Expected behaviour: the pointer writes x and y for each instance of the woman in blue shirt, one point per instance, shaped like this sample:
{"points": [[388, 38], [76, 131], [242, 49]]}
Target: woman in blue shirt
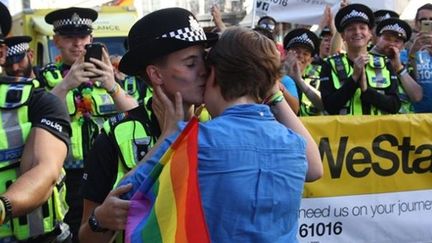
{"points": [[252, 164]]}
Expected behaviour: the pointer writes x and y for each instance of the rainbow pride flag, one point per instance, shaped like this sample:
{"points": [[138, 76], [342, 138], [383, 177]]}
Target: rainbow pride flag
{"points": [[167, 207]]}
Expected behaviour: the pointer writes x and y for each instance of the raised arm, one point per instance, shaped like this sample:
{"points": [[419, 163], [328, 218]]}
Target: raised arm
{"points": [[286, 116], [105, 72]]}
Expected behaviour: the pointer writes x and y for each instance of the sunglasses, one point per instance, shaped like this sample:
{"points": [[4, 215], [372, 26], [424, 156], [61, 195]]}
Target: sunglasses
{"points": [[267, 24]]}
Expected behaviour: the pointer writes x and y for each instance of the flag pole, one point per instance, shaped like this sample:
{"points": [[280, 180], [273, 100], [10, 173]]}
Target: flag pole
{"points": [[253, 13]]}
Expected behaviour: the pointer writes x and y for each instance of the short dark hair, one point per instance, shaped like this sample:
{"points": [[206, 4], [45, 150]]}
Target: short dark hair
{"points": [[427, 6], [241, 71]]}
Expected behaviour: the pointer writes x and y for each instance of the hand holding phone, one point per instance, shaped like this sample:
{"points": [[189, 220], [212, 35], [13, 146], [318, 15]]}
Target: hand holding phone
{"points": [[93, 50], [426, 26]]}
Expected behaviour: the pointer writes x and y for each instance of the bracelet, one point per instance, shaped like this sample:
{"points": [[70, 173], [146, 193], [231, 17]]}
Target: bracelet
{"points": [[274, 98], [5, 210], [114, 89], [402, 72]]}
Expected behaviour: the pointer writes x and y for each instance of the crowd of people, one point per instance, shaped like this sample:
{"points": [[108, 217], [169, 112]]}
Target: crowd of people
{"points": [[78, 137]]}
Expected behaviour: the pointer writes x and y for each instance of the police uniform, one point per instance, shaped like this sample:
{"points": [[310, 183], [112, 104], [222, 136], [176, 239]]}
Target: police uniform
{"points": [[18, 46], [340, 93], [25, 107], [137, 88], [126, 139], [403, 31], [309, 40], [89, 106]]}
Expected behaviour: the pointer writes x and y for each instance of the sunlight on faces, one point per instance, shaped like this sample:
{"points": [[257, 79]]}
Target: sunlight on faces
{"points": [[184, 71], [325, 45], [357, 35], [389, 39], [304, 57], [71, 46], [424, 14]]}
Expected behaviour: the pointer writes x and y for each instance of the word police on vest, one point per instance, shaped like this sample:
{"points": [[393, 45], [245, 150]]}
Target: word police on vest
{"points": [[52, 124]]}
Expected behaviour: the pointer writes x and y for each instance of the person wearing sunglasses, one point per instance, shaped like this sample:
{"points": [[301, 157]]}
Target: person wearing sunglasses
{"points": [[422, 38], [420, 55]]}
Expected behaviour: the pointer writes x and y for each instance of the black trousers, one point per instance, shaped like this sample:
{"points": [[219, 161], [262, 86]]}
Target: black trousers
{"points": [[74, 200]]}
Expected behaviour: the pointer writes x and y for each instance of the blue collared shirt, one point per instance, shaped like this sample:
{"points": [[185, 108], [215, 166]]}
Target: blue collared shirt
{"points": [[251, 174]]}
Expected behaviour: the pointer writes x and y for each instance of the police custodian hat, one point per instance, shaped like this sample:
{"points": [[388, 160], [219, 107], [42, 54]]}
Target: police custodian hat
{"points": [[325, 31], [5, 21], [354, 13], [382, 14], [397, 26], [160, 33], [72, 21], [17, 48], [302, 37]]}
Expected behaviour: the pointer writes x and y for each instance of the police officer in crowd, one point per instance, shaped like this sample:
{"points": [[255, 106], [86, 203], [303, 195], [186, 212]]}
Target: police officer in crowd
{"points": [[229, 174], [325, 37], [392, 34], [19, 57], [379, 16], [33, 145], [166, 47], [301, 46], [358, 82], [89, 91]]}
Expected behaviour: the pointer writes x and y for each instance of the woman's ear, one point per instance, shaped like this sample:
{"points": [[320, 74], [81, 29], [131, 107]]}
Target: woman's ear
{"points": [[154, 75]]}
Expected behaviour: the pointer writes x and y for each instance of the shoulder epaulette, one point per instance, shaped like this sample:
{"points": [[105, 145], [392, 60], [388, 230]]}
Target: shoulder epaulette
{"points": [[117, 118], [113, 121], [49, 67], [51, 75]]}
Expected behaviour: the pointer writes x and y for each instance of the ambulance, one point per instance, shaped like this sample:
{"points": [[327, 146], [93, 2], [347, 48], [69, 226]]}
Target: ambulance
{"points": [[111, 28]]}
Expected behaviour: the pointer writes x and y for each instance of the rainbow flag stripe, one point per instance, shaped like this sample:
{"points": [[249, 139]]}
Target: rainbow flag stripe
{"points": [[167, 206]]}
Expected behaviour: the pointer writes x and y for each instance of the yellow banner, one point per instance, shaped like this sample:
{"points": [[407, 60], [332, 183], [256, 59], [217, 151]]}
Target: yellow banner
{"points": [[372, 154]]}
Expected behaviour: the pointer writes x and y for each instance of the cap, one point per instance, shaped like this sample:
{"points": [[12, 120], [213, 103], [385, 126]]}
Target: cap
{"points": [[5, 21], [302, 37], [72, 21], [267, 22], [17, 48], [160, 33], [354, 13], [397, 26], [382, 14], [325, 31]]}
